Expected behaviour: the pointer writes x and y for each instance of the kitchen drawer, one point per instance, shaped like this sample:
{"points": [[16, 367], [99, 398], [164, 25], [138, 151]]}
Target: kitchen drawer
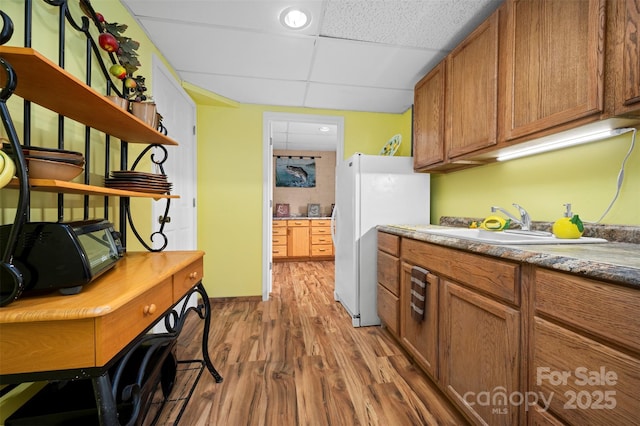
{"points": [[279, 231], [279, 251], [591, 383], [51, 345], [320, 231], [321, 222], [389, 243], [187, 278], [279, 240], [279, 223], [389, 272], [495, 277], [322, 250], [388, 304], [117, 329], [606, 310], [298, 223], [321, 239]]}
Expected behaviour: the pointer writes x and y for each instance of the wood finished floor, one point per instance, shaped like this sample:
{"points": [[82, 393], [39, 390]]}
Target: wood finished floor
{"points": [[296, 360]]}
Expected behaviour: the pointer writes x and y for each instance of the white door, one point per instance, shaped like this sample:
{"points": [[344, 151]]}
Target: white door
{"points": [[179, 117]]}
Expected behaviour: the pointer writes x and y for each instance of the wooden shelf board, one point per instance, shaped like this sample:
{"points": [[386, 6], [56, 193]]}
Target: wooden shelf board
{"points": [[64, 187], [45, 83]]}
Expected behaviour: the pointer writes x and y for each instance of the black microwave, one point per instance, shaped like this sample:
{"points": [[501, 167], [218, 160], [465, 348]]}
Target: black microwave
{"points": [[63, 256]]}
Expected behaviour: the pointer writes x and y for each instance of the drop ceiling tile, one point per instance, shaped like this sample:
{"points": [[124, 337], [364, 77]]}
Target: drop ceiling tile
{"points": [[250, 90], [256, 15], [233, 52], [358, 98], [434, 24], [368, 64]]}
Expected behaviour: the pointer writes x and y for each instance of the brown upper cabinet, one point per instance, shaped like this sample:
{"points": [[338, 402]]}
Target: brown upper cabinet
{"points": [[455, 105], [623, 57], [553, 62], [472, 91], [428, 119], [532, 69]]}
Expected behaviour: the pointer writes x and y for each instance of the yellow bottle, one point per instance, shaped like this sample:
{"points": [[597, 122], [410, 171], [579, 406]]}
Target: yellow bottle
{"points": [[568, 227]]}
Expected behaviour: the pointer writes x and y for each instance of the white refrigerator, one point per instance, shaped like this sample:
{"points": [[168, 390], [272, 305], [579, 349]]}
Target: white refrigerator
{"points": [[371, 190]]}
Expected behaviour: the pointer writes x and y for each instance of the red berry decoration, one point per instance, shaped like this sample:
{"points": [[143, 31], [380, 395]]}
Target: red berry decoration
{"points": [[108, 42], [100, 17]]}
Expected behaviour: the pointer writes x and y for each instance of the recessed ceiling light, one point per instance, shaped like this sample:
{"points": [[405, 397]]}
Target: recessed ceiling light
{"points": [[295, 18], [324, 128]]}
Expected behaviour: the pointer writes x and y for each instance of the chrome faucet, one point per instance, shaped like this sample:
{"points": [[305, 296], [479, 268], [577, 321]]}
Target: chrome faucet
{"points": [[524, 221]]}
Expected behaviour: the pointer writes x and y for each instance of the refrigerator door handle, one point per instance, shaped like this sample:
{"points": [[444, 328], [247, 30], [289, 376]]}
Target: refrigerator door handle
{"points": [[333, 224]]}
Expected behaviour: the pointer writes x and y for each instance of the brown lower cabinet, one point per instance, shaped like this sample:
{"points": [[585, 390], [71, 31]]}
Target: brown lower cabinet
{"points": [[515, 344]]}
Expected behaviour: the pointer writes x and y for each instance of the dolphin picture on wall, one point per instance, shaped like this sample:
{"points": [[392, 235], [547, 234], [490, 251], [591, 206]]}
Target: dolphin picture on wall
{"points": [[295, 172]]}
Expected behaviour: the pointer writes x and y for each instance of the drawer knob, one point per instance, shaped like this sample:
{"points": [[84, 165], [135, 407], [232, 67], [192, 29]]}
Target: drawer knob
{"points": [[193, 275], [150, 309]]}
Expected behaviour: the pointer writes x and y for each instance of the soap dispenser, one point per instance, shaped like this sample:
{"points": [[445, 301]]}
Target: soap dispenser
{"points": [[569, 226]]}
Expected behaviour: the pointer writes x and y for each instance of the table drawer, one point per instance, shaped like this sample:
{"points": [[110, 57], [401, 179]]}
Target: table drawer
{"points": [[185, 279], [51, 345], [116, 330], [322, 250]]}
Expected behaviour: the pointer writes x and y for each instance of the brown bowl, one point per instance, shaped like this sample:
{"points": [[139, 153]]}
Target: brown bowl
{"points": [[45, 169]]}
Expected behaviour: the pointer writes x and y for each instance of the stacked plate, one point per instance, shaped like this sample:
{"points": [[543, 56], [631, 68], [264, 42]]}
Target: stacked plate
{"points": [[50, 163], [131, 180]]}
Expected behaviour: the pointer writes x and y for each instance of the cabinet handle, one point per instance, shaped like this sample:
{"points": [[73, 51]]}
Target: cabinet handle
{"points": [[193, 275], [150, 309]]}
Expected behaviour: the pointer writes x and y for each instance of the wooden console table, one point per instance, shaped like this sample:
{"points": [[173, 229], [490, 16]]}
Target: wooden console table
{"points": [[57, 337]]}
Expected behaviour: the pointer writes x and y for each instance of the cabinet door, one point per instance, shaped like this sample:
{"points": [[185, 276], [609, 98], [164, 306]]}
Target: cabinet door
{"points": [[428, 119], [631, 59], [298, 241], [420, 338], [472, 91], [584, 381], [623, 47], [480, 355], [553, 64]]}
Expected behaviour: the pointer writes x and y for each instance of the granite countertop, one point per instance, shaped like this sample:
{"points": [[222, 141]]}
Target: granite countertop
{"points": [[612, 261]]}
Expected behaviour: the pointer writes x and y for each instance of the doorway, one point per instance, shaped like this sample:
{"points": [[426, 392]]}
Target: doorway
{"points": [[271, 121]]}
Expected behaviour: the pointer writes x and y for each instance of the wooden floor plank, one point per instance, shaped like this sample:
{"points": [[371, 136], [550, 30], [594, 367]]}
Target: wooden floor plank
{"points": [[296, 360]]}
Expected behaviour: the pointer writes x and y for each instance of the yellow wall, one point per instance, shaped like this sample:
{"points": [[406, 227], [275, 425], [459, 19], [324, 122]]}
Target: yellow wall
{"points": [[230, 185], [584, 176]]}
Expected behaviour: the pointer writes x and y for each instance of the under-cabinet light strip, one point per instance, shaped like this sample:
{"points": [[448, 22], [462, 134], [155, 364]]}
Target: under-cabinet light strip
{"points": [[563, 143]]}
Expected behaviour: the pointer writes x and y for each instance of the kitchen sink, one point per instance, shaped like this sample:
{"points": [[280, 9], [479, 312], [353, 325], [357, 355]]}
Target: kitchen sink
{"points": [[504, 237]]}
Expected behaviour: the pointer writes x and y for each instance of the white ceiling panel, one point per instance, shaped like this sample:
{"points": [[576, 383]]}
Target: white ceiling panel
{"points": [[368, 64], [256, 15], [429, 24], [355, 98], [232, 52], [251, 90]]}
